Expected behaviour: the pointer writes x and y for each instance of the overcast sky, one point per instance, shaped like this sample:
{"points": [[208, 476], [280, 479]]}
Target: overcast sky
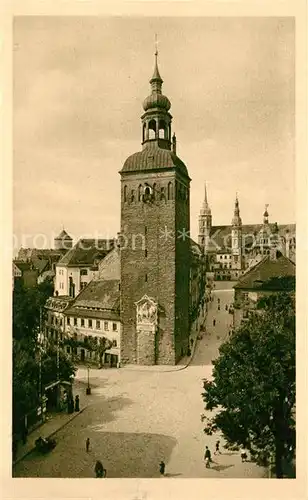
{"points": [[79, 84]]}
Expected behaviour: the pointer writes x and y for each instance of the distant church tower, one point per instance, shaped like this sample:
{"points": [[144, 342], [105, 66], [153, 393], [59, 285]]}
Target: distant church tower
{"points": [[155, 246], [205, 224], [236, 234], [63, 241]]}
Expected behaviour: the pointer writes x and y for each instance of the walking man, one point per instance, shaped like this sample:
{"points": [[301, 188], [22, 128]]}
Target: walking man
{"points": [[207, 457], [214, 322], [87, 444], [217, 450], [162, 467]]}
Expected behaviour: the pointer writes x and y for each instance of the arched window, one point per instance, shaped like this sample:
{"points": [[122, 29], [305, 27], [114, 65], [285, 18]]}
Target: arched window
{"points": [[132, 196], [170, 191], [202, 241], [152, 129], [154, 191], [125, 193], [143, 132], [162, 130], [162, 193], [139, 192]]}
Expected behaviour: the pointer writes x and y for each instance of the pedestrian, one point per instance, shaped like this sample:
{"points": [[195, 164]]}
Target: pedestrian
{"points": [[77, 408], [99, 469], [243, 455], [218, 308], [227, 307], [162, 467], [207, 457], [87, 444], [214, 322], [217, 450]]}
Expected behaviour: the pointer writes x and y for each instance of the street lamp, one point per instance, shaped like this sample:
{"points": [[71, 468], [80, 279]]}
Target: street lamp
{"points": [[88, 390]]}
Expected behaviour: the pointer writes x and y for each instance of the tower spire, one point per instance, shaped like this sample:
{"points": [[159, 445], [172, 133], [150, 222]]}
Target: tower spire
{"points": [[205, 194], [156, 80], [236, 221], [205, 210]]}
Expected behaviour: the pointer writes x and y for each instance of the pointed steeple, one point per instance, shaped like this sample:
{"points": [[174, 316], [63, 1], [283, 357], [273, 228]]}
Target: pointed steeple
{"points": [[236, 221], [156, 78], [205, 210]]}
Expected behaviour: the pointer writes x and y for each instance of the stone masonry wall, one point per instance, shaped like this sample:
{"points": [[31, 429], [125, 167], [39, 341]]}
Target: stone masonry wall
{"points": [[150, 267]]}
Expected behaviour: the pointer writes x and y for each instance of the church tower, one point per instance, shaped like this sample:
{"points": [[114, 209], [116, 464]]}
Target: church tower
{"points": [[236, 234], [205, 224], [154, 241]]}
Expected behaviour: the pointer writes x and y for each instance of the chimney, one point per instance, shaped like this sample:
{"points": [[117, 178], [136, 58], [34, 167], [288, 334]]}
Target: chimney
{"points": [[174, 144]]}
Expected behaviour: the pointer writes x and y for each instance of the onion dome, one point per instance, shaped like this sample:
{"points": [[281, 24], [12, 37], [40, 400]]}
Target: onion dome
{"points": [[156, 99]]}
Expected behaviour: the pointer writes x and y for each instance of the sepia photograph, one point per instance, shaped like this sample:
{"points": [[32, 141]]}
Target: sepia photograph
{"points": [[154, 247]]}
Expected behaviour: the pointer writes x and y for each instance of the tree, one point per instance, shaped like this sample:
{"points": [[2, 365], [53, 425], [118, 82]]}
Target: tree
{"points": [[28, 310], [50, 372], [253, 386]]}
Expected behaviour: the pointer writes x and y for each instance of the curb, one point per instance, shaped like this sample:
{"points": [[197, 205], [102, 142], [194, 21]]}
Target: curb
{"points": [[176, 369], [50, 435]]}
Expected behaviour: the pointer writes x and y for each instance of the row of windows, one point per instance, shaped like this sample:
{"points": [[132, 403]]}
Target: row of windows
{"points": [[181, 193], [61, 285], [91, 323], [224, 256], [56, 321]]}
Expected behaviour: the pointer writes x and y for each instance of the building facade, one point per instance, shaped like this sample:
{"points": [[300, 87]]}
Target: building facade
{"points": [[155, 248], [93, 326], [80, 265]]}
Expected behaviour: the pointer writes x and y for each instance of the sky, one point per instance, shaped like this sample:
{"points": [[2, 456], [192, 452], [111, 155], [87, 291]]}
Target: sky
{"points": [[79, 84]]}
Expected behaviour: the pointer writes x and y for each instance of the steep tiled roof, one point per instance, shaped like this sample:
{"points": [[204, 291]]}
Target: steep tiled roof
{"points": [[86, 251], [153, 158], [97, 295], [266, 270], [40, 264], [23, 266]]}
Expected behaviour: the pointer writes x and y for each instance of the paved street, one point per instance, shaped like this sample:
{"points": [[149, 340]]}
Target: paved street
{"points": [[138, 418]]}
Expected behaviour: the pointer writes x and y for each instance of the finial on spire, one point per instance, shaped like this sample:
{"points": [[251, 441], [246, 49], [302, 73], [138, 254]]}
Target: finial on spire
{"points": [[156, 76]]}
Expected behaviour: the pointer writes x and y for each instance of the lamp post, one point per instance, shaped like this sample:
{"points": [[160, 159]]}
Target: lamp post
{"points": [[88, 390]]}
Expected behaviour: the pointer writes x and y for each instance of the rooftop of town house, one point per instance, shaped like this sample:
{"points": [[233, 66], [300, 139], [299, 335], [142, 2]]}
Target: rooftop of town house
{"points": [[98, 295], [269, 274], [24, 266], [86, 251]]}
